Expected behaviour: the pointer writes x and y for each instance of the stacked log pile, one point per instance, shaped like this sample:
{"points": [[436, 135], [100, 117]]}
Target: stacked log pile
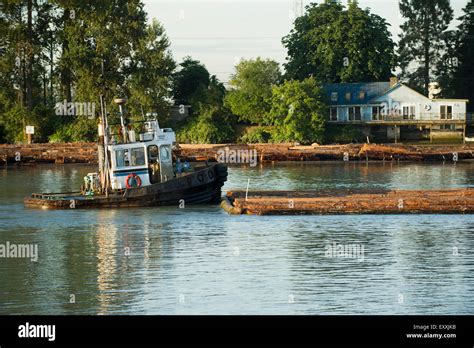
{"points": [[49, 153], [454, 201], [87, 152], [416, 153], [350, 152]]}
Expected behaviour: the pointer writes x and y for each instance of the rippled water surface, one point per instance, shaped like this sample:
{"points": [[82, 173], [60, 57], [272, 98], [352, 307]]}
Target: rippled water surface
{"points": [[199, 260]]}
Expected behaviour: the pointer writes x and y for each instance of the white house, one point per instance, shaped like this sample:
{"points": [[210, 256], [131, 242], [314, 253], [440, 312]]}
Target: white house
{"points": [[395, 110]]}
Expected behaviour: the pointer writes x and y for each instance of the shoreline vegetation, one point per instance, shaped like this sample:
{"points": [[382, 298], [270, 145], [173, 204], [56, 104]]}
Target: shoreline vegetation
{"points": [[63, 153], [57, 59]]}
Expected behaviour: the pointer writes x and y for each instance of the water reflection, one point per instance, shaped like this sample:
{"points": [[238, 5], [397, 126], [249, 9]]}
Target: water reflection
{"points": [[106, 264], [199, 260]]}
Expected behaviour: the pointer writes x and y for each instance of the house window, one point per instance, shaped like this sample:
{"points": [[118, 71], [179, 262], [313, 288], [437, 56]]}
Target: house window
{"points": [[354, 113], [348, 96], [446, 112], [334, 96], [377, 112], [333, 116], [361, 95], [447, 127], [409, 112]]}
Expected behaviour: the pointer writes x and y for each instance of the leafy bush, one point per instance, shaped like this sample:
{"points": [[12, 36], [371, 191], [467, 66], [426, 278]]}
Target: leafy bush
{"points": [[256, 135], [82, 129], [211, 127], [344, 134], [12, 124]]}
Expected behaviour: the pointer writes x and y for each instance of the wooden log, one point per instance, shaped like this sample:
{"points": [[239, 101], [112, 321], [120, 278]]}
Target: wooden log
{"points": [[354, 201], [229, 208], [266, 153]]}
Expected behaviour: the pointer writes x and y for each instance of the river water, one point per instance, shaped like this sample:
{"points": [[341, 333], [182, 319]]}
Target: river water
{"points": [[199, 260]]}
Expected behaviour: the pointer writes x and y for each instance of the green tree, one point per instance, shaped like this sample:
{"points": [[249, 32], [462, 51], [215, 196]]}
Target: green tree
{"points": [[251, 89], [212, 122], [446, 67], [422, 39], [136, 54], [149, 84], [24, 80], [299, 111], [190, 81], [334, 43], [52, 51], [464, 75]]}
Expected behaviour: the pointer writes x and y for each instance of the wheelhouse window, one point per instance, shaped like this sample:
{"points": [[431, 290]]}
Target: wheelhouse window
{"points": [[446, 112], [354, 113], [348, 96], [137, 157], [130, 157], [334, 96], [333, 115], [153, 153], [361, 95], [165, 153]]}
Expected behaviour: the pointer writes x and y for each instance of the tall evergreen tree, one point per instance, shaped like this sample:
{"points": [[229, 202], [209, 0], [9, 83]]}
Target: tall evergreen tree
{"points": [[422, 41], [189, 81], [52, 51], [464, 76], [22, 73]]}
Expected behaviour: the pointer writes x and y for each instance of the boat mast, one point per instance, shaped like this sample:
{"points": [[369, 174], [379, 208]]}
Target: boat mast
{"points": [[104, 139], [120, 102]]}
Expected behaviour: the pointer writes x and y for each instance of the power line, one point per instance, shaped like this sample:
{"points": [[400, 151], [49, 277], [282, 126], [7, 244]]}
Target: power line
{"points": [[226, 38]]}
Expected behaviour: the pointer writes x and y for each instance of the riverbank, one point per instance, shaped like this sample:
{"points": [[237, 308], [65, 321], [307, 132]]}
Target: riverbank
{"points": [[264, 153]]}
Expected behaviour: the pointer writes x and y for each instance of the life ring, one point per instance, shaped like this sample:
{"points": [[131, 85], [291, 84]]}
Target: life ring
{"points": [[136, 180], [210, 174]]}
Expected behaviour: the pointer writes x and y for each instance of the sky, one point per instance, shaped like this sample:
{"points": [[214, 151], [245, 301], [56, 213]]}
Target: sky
{"points": [[221, 32]]}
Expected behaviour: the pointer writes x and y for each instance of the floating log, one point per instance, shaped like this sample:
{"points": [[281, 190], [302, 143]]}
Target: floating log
{"points": [[353, 201], [229, 208]]}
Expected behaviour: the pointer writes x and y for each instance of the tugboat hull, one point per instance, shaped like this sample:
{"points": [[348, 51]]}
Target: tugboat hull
{"points": [[202, 186]]}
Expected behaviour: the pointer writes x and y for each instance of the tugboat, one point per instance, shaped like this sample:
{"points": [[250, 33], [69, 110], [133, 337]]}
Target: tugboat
{"points": [[139, 172]]}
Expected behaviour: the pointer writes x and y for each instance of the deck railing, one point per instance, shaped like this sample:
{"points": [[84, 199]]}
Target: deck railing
{"points": [[437, 118]]}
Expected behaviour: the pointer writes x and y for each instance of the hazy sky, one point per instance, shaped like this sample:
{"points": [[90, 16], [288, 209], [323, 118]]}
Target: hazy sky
{"points": [[221, 32]]}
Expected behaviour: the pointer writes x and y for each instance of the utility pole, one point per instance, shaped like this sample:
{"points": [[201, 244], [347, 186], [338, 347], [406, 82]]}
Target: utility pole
{"points": [[298, 8]]}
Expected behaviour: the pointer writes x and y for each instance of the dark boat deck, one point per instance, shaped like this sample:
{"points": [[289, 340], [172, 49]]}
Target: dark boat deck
{"points": [[198, 187]]}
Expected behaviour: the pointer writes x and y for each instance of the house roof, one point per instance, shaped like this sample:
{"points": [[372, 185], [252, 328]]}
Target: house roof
{"points": [[394, 87], [370, 90]]}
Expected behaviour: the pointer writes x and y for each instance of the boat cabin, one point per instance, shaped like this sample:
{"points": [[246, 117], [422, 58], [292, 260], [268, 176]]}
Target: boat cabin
{"points": [[144, 162]]}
